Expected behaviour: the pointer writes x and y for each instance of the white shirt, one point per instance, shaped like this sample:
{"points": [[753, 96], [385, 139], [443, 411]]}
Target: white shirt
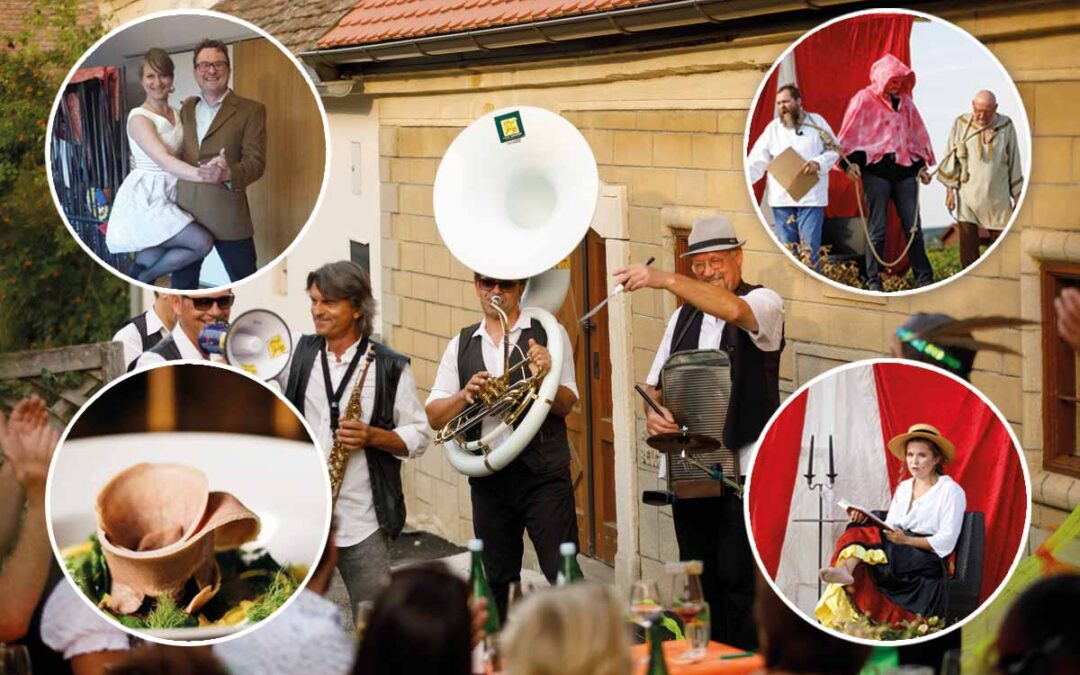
{"points": [[774, 140], [205, 113], [129, 336], [306, 638], [188, 350], [939, 512], [447, 381], [355, 510], [70, 627], [768, 309]]}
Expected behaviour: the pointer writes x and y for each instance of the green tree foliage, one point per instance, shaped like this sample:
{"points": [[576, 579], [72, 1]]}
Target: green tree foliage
{"points": [[51, 292]]}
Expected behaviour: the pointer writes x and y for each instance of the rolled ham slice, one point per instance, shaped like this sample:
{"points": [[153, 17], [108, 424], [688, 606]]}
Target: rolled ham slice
{"points": [[159, 526]]}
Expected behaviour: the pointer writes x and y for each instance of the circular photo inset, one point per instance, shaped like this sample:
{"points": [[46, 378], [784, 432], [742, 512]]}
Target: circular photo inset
{"points": [[187, 150], [186, 504], [888, 501], [887, 151]]}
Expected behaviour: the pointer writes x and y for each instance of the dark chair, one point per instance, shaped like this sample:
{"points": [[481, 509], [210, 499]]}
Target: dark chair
{"points": [[966, 582]]}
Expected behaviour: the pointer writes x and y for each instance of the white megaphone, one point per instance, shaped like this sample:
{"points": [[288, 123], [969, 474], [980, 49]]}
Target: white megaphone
{"points": [[258, 342]]}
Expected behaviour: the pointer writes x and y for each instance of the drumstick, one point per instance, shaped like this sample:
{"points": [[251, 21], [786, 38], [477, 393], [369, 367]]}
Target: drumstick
{"points": [[618, 289], [649, 400]]}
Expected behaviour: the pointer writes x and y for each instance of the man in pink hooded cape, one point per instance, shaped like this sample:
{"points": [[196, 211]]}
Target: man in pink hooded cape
{"points": [[884, 135]]}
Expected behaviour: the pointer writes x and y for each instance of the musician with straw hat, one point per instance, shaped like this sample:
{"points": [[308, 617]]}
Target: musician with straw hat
{"points": [[720, 311], [907, 576]]}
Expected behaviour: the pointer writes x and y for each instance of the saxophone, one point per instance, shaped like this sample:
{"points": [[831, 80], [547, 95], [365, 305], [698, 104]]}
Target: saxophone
{"points": [[339, 454]]}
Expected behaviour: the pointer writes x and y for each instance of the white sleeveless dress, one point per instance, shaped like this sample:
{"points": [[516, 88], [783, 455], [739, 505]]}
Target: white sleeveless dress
{"points": [[145, 213]]}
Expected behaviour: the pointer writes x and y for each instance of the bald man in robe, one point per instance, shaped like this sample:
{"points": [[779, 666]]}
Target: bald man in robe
{"points": [[982, 173]]}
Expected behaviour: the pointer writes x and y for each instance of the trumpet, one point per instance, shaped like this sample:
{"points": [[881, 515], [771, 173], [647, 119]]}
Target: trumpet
{"points": [[339, 454]]}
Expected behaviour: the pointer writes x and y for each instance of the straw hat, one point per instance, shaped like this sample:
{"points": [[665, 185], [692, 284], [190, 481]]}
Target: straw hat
{"points": [[897, 445]]}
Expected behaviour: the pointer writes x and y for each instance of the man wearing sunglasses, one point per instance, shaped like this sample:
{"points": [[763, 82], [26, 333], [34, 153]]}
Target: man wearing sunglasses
{"points": [[720, 311], [533, 493], [193, 313], [216, 121]]}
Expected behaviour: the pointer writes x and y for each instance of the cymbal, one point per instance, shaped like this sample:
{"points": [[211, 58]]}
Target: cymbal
{"points": [[675, 442]]}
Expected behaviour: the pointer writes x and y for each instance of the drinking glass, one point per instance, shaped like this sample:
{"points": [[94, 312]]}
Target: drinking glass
{"points": [[688, 603], [14, 660]]}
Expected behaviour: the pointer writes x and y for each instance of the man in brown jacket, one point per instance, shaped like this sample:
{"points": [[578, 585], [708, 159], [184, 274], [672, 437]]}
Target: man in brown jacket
{"points": [[215, 122]]}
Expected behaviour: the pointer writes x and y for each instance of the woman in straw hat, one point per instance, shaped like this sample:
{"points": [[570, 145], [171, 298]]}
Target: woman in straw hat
{"points": [[891, 575]]}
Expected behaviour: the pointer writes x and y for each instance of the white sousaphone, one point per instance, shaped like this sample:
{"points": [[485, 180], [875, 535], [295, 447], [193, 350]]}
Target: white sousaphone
{"points": [[514, 195]]}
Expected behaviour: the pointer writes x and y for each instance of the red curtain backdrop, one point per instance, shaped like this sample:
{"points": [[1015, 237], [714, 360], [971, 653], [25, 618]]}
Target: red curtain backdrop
{"points": [[771, 489], [763, 114], [986, 466], [830, 66]]}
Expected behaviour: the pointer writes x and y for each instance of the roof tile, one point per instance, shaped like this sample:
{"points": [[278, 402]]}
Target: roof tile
{"points": [[371, 21]]}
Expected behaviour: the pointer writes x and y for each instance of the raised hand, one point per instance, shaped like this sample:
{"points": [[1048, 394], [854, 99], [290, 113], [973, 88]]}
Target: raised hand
{"points": [[28, 442], [539, 357], [1067, 308], [639, 275]]}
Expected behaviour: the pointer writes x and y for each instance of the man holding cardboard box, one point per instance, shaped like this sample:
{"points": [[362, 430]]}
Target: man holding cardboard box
{"points": [[794, 154]]}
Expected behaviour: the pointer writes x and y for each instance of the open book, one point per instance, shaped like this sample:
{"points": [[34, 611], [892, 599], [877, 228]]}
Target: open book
{"points": [[874, 520]]}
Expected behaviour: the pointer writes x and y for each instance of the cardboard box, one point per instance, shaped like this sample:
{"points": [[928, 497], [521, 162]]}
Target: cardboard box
{"points": [[786, 169]]}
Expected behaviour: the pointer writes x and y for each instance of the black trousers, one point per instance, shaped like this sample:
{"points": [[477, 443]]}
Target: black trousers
{"points": [[713, 531], [237, 255], [511, 502], [904, 196]]}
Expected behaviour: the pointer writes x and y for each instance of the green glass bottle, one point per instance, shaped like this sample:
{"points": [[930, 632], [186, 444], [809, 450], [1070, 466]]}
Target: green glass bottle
{"points": [[569, 570], [657, 664], [480, 588]]}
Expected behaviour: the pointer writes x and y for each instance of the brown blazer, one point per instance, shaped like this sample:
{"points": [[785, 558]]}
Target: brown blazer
{"points": [[240, 128]]}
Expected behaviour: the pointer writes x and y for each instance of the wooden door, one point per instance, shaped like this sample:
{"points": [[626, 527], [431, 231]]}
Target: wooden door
{"points": [[283, 199], [589, 425]]}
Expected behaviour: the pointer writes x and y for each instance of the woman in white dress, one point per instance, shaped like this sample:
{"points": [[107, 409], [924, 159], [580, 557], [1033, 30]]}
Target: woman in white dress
{"points": [[145, 219], [893, 575]]}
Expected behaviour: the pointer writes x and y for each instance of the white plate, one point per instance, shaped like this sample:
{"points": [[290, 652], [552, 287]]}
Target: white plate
{"points": [[284, 482]]}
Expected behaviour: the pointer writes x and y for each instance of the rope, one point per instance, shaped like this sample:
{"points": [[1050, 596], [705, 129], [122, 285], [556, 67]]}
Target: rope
{"points": [[831, 144]]}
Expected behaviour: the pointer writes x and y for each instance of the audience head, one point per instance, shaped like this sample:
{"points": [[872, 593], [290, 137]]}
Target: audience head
{"points": [[791, 644], [911, 342], [571, 630], [1040, 634], [420, 623]]}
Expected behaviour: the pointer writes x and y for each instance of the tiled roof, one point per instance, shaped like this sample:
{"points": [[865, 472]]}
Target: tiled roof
{"points": [[372, 21], [296, 24]]}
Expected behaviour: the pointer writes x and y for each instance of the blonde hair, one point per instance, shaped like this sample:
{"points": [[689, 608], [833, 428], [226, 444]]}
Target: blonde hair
{"points": [[572, 630]]}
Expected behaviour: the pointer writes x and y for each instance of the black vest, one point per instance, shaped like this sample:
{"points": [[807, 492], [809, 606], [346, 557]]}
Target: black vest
{"points": [[149, 340], [166, 349], [755, 374], [549, 449], [383, 468]]}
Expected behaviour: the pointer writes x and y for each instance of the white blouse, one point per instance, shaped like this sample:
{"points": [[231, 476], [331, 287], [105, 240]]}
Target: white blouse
{"points": [[70, 627], [939, 512]]}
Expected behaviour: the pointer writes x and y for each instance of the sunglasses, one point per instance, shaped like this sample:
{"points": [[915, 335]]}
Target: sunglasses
{"points": [[487, 284], [203, 304]]}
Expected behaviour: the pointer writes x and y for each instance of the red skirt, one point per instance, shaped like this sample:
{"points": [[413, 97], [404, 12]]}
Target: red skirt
{"points": [[910, 584]]}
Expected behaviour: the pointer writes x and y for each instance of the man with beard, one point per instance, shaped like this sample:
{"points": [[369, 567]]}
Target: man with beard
{"points": [[720, 311], [981, 173], [797, 221]]}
